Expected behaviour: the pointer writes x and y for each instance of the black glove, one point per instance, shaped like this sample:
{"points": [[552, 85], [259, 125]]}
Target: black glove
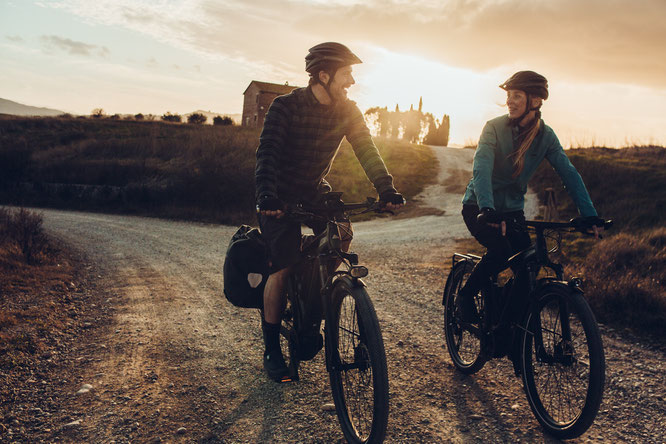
{"points": [[488, 216], [392, 197], [585, 223], [269, 203]]}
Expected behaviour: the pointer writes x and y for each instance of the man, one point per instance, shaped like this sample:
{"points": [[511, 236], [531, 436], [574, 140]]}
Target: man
{"points": [[301, 135]]}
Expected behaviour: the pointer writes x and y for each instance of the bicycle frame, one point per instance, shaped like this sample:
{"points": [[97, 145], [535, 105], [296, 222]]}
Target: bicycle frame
{"points": [[324, 250]]}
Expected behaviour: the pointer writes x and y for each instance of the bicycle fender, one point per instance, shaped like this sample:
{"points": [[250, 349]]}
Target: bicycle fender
{"points": [[460, 263], [358, 283], [574, 285]]}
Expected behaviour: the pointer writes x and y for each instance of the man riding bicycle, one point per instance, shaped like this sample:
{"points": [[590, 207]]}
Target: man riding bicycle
{"points": [[300, 138]]}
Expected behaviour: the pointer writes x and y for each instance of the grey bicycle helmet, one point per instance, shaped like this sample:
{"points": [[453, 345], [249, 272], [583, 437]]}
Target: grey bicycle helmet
{"points": [[329, 55], [531, 82]]}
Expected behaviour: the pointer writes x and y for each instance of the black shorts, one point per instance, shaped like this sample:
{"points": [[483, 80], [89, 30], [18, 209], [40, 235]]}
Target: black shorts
{"points": [[283, 238]]}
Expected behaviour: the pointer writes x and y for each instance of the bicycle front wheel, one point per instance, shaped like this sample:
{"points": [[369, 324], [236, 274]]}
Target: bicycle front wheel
{"points": [[463, 342], [563, 364], [357, 364]]}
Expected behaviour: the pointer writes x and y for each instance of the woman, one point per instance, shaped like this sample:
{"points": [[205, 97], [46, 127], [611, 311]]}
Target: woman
{"points": [[510, 149]]}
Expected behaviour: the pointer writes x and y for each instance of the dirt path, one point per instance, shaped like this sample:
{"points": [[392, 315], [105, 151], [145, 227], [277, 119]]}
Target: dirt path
{"points": [[177, 362]]}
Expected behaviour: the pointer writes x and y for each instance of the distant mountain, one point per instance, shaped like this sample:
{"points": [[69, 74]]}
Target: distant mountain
{"points": [[19, 109], [211, 115]]}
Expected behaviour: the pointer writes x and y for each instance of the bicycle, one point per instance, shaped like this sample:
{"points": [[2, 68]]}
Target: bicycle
{"points": [[317, 290], [551, 335]]}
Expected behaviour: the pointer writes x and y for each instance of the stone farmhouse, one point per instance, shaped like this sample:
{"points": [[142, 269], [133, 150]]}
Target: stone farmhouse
{"points": [[257, 97]]}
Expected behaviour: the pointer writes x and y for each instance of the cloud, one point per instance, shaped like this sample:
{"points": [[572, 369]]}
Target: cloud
{"points": [[616, 41], [595, 40], [74, 47], [14, 38]]}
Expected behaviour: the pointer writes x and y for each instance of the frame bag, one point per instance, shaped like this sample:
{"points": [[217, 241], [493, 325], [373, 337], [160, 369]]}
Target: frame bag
{"points": [[246, 268]]}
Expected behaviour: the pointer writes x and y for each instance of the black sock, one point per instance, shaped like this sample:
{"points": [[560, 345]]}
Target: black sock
{"points": [[271, 336]]}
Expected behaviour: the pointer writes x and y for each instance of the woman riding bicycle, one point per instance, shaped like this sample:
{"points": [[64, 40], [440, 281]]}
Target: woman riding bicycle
{"points": [[510, 149]]}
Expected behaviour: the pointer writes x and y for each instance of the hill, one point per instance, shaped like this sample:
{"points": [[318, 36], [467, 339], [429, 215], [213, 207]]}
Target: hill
{"points": [[179, 170], [19, 109]]}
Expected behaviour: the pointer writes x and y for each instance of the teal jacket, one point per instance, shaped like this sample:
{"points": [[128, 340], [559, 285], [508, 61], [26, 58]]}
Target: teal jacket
{"points": [[492, 185]]}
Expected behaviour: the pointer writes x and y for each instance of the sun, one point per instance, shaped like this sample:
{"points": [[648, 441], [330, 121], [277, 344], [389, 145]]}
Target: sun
{"points": [[388, 79]]}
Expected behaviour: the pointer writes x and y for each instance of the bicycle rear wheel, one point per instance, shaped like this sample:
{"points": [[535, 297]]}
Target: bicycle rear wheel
{"points": [[563, 362], [463, 343], [357, 364]]}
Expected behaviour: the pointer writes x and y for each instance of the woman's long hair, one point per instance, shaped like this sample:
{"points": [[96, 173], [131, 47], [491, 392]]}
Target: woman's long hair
{"points": [[518, 156]]}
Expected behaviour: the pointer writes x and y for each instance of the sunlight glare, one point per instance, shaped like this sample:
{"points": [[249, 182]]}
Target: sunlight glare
{"points": [[387, 78]]}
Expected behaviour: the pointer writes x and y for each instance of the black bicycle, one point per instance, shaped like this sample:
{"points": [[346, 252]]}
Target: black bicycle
{"points": [[319, 289], [545, 326]]}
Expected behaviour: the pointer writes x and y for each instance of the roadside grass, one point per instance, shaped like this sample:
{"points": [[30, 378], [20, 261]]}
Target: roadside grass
{"points": [[32, 292], [413, 167], [195, 172]]}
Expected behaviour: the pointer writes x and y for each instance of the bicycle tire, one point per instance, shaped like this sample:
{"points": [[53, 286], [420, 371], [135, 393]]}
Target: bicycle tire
{"points": [[464, 347], [564, 384], [356, 360]]}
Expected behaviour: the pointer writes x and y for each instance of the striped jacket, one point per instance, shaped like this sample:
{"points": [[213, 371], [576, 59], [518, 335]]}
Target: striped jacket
{"points": [[299, 141]]}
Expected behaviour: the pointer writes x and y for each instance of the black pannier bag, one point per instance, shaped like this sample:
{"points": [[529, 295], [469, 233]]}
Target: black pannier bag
{"points": [[246, 268]]}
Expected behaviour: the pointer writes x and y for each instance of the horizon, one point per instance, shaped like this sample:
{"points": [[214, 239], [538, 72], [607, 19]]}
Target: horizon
{"points": [[130, 57]]}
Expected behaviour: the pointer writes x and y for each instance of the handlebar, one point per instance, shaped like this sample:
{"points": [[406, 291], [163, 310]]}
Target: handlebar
{"points": [[333, 209], [575, 224]]}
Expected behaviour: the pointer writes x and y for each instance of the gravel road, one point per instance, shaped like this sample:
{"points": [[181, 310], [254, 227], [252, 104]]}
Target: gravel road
{"points": [[178, 363]]}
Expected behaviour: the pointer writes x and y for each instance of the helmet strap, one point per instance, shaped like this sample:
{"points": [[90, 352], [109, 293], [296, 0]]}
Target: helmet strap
{"points": [[528, 109], [327, 86]]}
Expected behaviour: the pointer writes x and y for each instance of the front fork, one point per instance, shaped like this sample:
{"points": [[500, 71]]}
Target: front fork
{"points": [[562, 346]]}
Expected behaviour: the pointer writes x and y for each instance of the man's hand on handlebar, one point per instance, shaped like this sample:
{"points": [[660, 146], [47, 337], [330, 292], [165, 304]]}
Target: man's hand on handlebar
{"points": [[391, 200], [270, 206]]}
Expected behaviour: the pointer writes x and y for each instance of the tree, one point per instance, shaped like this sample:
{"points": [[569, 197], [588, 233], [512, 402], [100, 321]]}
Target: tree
{"points": [[380, 119], [439, 134], [168, 117], [97, 113], [224, 121], [138, 116], [197, 118]]}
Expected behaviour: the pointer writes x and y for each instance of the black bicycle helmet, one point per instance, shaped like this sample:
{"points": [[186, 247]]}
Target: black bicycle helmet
{"points": [[329, 55], [531, 82]]}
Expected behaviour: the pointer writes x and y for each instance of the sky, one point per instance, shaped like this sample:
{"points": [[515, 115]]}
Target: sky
{"points": [[605, 60]]}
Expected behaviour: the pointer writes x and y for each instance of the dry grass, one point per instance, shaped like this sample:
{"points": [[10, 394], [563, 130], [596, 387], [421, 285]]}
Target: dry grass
{"points": [[626, 280], [32, 297]]}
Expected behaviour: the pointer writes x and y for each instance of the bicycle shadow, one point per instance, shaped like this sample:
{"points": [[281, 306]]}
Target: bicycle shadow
{"points": [[504, 426], [266, 396]]}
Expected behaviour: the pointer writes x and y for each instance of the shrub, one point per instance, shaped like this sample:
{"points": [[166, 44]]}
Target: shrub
{"points": [[224, 121], [197, 118], [626, 277], [24, 228], [168, 117], [97, 113], [138, 116]]}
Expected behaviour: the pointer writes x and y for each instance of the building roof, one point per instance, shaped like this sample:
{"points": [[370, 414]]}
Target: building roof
{"points": [[275, 88]]}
